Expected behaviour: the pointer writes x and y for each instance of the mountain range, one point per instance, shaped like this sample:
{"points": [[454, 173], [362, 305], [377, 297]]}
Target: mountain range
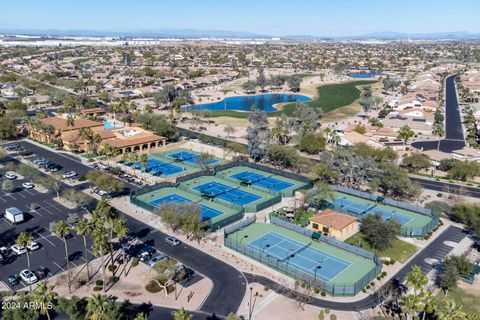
{"points": [[197, 34]]}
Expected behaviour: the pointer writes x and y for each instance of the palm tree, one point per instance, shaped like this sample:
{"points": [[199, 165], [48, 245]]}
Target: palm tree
{"points": [[438, 130], [84, 228], [61, 230], [25, 239], [133, 157], [449, 311], [229, 130], [86, 135], [144, 162], [427, 298], [417, 279], [141, 316], [181, 315], [120, 228], [98, 307], [44, 296], [100, 236], [410, 305]]}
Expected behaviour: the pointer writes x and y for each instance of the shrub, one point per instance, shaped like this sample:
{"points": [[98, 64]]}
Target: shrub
{"points": [[327, 311], [134, 262], [323, 293], [112, 268], [153, 287], [99, 282], [97, 289], [333, 317], [113, 279], [383, 274]]}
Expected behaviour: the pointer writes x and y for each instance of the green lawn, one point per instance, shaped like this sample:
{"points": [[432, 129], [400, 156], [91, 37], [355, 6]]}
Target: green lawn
{"points": [[461, 297], [400, 251], [329, 97], [333, 96]]}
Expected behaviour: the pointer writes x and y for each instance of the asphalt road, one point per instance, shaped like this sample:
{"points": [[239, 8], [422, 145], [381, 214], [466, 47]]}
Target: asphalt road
{"points": [[454, 139], [437, 249], [446, 187]]}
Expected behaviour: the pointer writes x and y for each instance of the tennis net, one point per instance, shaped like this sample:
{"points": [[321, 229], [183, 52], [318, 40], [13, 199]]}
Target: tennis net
{"points": [[291, 254]]}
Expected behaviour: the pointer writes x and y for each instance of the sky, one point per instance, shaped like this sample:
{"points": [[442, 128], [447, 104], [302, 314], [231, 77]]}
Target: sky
{"points": [[266, 17]]}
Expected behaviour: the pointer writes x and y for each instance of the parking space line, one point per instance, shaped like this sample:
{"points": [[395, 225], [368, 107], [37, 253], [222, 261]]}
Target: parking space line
{"points": [[58, 266], [53, 244], [20, 194]]}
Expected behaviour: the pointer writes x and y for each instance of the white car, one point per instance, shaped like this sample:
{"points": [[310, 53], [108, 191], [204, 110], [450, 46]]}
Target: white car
{"points": [[28, 185], [10, 176], [18, 250], [69, 174], [33, 246], [28, 276]]}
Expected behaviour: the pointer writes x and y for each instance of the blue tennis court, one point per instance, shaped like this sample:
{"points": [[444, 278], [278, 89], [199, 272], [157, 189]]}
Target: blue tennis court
{"points": [[262, 181], [299, 255], [391, 214], [157, 167], [359, 209], [188, 156], [207, 212], [230, 194], [350, 206]]}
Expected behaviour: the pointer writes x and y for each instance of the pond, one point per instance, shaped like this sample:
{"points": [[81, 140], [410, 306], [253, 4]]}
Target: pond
{"points": [[263, 102]]}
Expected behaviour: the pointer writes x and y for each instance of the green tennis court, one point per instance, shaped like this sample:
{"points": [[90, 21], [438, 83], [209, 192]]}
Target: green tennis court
{"points": [[337, 266]]}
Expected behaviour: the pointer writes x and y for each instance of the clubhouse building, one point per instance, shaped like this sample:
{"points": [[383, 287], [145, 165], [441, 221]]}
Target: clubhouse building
{"points": [[70, 135]]}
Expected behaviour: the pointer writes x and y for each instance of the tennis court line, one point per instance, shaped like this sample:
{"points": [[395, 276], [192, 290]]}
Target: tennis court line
{"points": [[327, 256]]}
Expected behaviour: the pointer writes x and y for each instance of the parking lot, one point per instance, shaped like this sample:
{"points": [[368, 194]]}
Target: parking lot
{"points": [[51, 254]]}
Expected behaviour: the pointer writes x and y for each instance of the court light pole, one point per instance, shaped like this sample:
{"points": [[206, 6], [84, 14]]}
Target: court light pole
{"points": [[317, 268], [261, 252], [244, 237]]}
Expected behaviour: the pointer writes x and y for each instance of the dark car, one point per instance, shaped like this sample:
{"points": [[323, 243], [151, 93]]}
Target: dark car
{"points": [[52, 167], [146, 254], [41, 272], [13, 279]]}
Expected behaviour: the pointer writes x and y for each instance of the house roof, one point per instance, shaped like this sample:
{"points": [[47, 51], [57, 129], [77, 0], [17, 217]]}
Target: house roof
{"points": [[333, 219], [78, 123]]}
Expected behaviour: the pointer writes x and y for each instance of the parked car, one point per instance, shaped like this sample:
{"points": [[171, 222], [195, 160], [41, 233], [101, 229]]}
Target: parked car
{"points": [[69, 174], [40, 161], [12, 146], [13, 279], [18, 250], [41, 272], [172, 241], [52, 167], [28, 276], [33, 246], [146, 253], [28, 185], [10, 175], [152, 262]]}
